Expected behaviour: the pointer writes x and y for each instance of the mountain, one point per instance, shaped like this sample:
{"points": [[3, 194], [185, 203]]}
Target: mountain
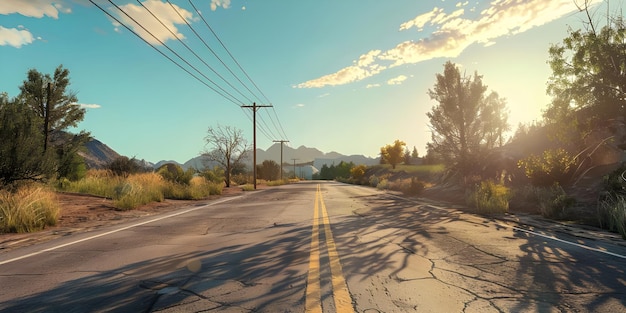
{"points": [[97, 155], [302, 155]]}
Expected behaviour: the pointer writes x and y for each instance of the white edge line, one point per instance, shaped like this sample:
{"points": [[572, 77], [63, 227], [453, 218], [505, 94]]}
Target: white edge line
{"points": [[117, 230], [527, 231]]}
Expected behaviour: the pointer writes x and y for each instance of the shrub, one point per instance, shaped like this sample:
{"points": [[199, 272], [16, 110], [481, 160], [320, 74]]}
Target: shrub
{"points": [[175, 173], [357, 173], [612, 214], [553, 201], [215, 175], [285, 181], [123, 166], [554, 166], [415, 188], [373, 181], [383, 184], [247, 187], [489, 197], [28, 209]]}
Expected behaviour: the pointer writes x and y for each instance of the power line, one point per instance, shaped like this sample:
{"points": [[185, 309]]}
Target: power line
{"points": [[228, 51], [161, 52], [264, 126], [189, 48]]}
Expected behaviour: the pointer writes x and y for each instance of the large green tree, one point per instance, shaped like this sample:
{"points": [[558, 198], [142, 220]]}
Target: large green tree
{"points": [[21, 153], [49, 97], [588, 82], [466, 123]]}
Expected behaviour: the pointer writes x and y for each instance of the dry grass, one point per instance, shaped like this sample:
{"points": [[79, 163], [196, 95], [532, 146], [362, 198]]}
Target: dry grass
{"points": [[30, 208]]}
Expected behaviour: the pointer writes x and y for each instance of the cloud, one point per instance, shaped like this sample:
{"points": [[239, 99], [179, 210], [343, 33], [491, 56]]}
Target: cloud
{"points": [[89, 106], [299, 105], [452, 34], [163, 11], [15, 37], [33, 8], [372, 86], [361, 68], [397, 80], [219, 3]]}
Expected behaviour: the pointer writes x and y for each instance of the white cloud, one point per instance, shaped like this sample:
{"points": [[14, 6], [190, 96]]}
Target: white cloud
{"points": [[363, 67], [372, 86], [15, 37], [299, 105], [89, 106], [219, 3], [33, 8], [163, 11], [397, 80], [452, 34]]}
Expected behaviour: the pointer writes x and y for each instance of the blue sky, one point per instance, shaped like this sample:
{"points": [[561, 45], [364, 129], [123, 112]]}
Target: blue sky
{"points": [[347, 76]]}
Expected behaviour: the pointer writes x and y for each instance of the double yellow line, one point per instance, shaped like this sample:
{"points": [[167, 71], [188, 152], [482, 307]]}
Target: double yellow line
{"points": [[313, 302]]}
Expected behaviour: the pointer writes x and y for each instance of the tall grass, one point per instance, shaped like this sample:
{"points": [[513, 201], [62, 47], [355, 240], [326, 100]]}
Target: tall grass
{"points": [[139, 189], [489, 197], [612, 214], [30, 208]]}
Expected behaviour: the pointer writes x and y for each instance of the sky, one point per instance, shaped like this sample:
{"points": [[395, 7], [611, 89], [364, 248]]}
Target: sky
{"points": [[347, 76]]}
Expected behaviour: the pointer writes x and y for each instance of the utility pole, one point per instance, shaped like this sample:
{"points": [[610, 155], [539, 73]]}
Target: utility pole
{"points": [[281, 156], [294, 168], [254, 108]]}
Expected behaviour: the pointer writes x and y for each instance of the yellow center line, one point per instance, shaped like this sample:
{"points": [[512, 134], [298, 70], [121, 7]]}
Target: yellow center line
{"points": [[313, 301], [343, 302]]}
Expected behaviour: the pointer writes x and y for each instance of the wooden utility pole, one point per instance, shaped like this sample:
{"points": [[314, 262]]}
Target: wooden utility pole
{"points": [[281, 156], [294, 168], [254, 108]]}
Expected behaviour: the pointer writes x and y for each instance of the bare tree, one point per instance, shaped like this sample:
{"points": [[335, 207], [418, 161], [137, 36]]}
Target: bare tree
{"points": [[226, 146]]}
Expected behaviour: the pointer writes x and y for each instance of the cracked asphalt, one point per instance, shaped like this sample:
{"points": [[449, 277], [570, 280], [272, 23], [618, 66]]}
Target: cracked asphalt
{"points": [[251, 254]]}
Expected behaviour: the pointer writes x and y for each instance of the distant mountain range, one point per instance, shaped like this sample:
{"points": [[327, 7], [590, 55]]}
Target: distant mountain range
{"points": [[98, 154]]}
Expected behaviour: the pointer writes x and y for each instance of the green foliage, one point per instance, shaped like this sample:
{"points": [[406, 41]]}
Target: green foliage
{"points": [[612, 206], [393, 154], [553, 200], [123, 166], [587, 76], [489, 197], [21, 153], [70, 164], [49, 98], [30, 208], [333, 172], [554, 166], [216, 175], [174, 173], [466, 124], [268, 170]]}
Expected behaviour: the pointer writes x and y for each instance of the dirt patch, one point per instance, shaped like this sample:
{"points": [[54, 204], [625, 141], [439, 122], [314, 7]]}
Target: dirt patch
{"points": [[80, 213]]}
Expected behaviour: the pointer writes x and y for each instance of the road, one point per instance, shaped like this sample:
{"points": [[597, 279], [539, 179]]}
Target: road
{"points": [[315, 247]]}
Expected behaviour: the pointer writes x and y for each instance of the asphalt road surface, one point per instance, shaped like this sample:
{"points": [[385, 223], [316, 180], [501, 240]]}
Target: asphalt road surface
{"points": [[315, 247]]}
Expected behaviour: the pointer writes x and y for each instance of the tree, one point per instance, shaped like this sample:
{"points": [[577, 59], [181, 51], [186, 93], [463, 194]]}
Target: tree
{"points": [[414, 153], [393, 154], [588, 82], [465, 124], [21, 153], [227, 147], [268, 170], [48, 98], [407, 157], [123, 166]]}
